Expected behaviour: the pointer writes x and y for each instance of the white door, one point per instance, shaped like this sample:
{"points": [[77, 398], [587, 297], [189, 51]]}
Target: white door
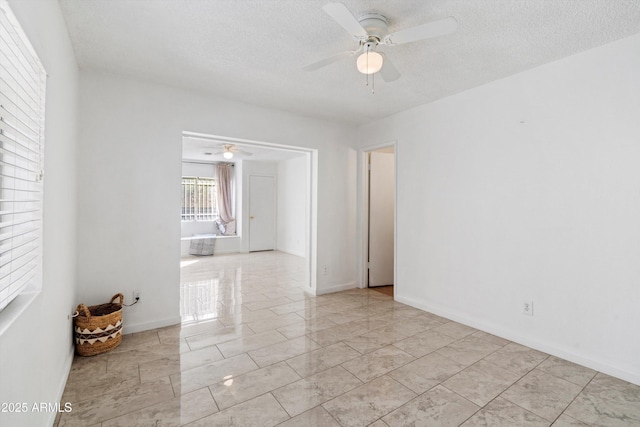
{"points": [[381, 213], [262, 213]]}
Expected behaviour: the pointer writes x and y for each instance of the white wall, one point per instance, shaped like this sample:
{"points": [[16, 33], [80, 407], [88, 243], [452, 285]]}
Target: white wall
{"points": [[292, 206], [204, 170], [129, 183], [37, 349], [528, 189]]}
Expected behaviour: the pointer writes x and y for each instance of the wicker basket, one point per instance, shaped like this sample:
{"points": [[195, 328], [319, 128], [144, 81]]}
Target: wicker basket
{"points": [[98, 328]]}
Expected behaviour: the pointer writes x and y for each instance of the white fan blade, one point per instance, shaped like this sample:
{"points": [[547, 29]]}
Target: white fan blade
{"points": [[234, 151], [345, 18], [388, 72], [329, 60], [241, 152], [424, 31]]}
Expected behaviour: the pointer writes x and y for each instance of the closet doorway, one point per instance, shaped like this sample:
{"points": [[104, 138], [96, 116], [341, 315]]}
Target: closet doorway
{"points": [[380, 196]]}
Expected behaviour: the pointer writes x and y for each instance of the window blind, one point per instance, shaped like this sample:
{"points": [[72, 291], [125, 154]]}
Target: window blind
{"points": [[207, 206], [22, 91], [199, 200]]}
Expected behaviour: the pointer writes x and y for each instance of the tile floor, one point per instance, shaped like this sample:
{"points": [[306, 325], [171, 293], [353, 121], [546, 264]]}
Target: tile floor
{"points": [[255, 350]]}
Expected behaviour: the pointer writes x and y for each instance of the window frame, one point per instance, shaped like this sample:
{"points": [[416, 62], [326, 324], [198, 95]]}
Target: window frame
{"points": [[22, 99]]}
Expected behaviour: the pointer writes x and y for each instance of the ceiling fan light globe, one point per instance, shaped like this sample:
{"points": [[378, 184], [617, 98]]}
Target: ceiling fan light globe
{"points": [[369, 62], [227, 155]]}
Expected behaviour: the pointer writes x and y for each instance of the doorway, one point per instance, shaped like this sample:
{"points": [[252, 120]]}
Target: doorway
{"points": [[257, 159], [379, 208]]}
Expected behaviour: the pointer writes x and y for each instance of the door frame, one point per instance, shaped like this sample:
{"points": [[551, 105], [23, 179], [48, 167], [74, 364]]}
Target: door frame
{"points": [[364, 213], [311, 218]]}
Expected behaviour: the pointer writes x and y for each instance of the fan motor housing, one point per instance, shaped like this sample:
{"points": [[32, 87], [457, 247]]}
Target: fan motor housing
{"points": [[375, 24]]}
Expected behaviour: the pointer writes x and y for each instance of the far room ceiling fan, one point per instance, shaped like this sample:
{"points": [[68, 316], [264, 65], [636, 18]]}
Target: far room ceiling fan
{"points": [[228, 150], [370, 31]]}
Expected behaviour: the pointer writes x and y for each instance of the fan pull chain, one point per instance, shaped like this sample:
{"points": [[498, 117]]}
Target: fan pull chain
{"points": [[373, 83], [373, 76], [367, 75]]}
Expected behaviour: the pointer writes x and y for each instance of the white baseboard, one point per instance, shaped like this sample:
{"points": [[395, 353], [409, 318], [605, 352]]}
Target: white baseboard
{"points": [[310, 291], [65, 377], [336, 288], [161, 323], [291, 252], [225, 251], [500, 331]]}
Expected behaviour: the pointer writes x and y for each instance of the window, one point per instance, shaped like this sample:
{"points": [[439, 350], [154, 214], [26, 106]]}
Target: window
{"points": [[22, 90], [199, 199]]}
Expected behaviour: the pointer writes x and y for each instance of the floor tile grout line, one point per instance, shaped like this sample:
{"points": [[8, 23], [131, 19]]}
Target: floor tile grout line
{"points": [[417, 395], [480, 409], [499, 394], [215, 402], [513, 403], [523, 408], [515, 382], [330, 414], [139, 383], [254, 361], [283, 408], [569, 381], [523, 375], [531, 370], [204, 416], [454, 392], [139, 408], [574, 399], [334, 397]]}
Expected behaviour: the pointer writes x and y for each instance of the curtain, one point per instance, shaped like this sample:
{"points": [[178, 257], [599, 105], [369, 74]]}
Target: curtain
{"points": [[224, 176]]}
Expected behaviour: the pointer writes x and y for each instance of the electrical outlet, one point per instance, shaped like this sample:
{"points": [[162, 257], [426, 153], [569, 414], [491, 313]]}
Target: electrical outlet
{"points": [[527, 308], [136, 295], [325, 270]]}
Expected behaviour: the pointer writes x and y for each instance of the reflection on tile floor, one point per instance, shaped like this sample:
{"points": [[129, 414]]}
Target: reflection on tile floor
{"points": [[254, 349]]}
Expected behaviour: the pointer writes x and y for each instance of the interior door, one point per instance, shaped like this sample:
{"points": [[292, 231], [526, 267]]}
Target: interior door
{"points": [[381, 218], [262, 213]]}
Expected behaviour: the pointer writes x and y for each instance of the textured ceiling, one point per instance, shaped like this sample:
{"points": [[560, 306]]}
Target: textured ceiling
{"points": [[254, 50]]}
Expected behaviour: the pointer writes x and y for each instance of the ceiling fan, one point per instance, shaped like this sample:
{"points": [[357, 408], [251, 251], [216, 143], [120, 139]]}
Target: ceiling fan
{"points": [[228, 150], [370, 31]]}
